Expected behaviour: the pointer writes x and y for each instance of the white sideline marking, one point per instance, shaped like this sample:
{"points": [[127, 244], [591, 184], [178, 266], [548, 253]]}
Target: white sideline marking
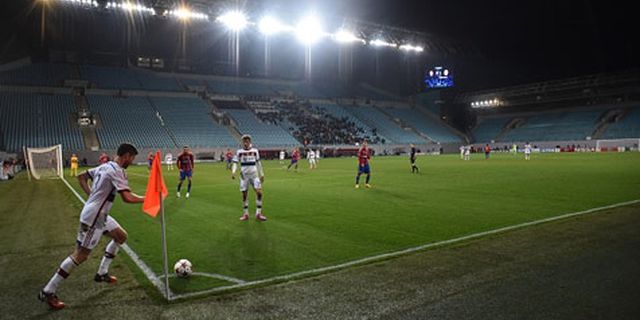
{"points": [[132, 254], [396, 253], [208, 275]]}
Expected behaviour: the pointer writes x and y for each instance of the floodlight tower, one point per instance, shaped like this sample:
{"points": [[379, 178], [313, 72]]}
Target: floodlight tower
{"points": [[346, 39], [309, 31], [269, 26], [235, 21]]}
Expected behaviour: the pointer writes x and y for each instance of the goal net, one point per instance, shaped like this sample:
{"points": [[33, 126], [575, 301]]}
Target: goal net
{"points": [[45, 163], [618, 145]]}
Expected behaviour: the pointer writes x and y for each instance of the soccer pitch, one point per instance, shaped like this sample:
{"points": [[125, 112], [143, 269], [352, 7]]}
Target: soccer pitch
{"points": [[317, 219]]}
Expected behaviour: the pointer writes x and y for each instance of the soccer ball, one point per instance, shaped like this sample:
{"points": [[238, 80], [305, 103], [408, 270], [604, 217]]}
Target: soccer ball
{"points": [[183, 268]]}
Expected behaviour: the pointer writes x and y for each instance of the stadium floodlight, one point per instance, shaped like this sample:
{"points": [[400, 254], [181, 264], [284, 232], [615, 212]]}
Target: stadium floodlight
{"points": [[408, 47], [234, 20], [185, 14], [382, 43], [309, 30], [345, 36], [270, 26]]}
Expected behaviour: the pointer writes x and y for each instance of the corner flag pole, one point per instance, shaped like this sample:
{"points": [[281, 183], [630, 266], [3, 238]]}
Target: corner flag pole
{"points": [[164, 247], [151, 206]]}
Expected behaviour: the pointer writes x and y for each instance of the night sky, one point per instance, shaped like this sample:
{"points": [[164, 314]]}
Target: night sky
{"points": [[553, 38], [548, 38]]}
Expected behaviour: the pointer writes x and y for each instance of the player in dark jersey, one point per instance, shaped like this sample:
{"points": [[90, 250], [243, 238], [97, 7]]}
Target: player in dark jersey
{"points": [[185, 165], [414, 167], [363, 165], [295, 156], [149, 160], [229, 158]]}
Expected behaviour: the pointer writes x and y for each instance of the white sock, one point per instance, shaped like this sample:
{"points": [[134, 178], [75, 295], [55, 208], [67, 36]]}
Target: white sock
{"points": [[258, 206], [63, 272], [109, 253], [245, 207]]}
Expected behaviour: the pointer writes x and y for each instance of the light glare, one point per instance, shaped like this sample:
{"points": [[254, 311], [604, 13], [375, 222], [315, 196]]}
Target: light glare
{"points": [[309, 30], [344, 36], [234, 20], [270, 26]]}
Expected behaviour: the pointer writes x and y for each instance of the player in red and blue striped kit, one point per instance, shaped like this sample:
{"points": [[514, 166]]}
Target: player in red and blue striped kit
{"points": [[363, 165], [185, 165]]}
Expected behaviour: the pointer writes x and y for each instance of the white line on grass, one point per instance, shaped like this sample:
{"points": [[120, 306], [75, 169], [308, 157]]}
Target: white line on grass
{"points": [[209, 275], [394, 254], [132, 254]]}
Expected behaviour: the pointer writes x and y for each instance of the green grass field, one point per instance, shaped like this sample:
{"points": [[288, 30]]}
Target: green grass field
{"points": [[318, 219]]}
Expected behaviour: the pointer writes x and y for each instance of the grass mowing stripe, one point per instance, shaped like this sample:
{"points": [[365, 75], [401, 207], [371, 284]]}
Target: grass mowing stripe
{"points": [[385, 256], [132, 254]]}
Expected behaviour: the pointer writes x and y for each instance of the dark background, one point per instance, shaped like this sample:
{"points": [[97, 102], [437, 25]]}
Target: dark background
{"points": [[514, 41]]}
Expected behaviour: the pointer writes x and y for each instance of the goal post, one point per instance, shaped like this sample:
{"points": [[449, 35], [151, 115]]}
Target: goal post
{"points": [[618, 145], [45, 163]]}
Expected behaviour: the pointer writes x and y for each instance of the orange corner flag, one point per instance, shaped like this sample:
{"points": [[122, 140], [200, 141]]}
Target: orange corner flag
{"points": [[155, 188]]}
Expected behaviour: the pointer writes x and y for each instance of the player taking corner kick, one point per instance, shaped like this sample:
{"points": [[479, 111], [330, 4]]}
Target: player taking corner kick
{"points": [[108, 179]]}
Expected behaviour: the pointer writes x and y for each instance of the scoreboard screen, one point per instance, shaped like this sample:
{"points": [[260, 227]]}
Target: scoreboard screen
{"points": [[438, 77]]}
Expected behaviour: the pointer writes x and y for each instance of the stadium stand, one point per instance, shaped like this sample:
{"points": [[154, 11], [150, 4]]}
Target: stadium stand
{"points": [[316, 125], [264, 134], [37, 120], [627, 127], [341, 113], [384, 126], [123, 78], [224, 104], [152, 81], [189, 119], [239, 87], [130, 119], [174, 121], [433, 128], [488, 129], [40, 74], [369, 92], [555, 126], [110, 78], [295, 89]]}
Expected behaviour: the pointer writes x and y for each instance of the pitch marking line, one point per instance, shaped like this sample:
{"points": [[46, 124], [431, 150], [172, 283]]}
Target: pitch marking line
{"points": [[384, 256], [209, 275]]}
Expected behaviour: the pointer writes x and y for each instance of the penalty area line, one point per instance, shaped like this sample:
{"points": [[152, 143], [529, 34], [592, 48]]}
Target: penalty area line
{"points": [[384, 256]]}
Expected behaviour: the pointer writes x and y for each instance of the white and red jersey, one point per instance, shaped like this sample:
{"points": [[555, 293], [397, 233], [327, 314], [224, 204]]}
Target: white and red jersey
{"points": [[311, 155], [249, 162], [108, 179]]}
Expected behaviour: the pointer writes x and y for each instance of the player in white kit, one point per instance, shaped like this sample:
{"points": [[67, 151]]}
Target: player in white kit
{"points": [[311, 155], [168, 159], [251, 173], [467, 152], [527, 151], [108, 179], [281, 157]]}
